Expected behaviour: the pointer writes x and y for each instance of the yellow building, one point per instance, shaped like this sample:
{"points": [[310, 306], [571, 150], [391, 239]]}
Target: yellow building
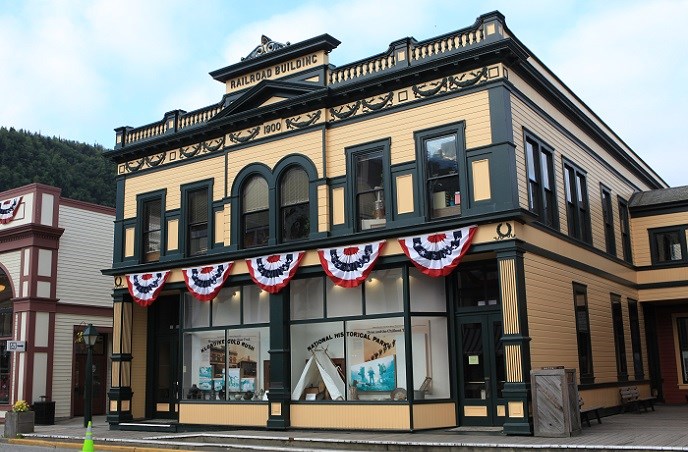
{"points": [[392, 244]]}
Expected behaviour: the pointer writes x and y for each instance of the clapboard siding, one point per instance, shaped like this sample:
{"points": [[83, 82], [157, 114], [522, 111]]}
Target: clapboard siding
{"points": [[552, 321], [400, 127], [307, 144], [641, 236], [63, 358], [11, 263], [526, 118], [171, 179], [85, 249]]}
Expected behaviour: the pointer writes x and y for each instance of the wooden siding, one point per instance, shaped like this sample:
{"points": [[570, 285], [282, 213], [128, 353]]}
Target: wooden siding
{"points": [[323, 209], [341, 416], [400, 127], [11, 262], [245, 414], [85, 249], [63, 359], [434, 415], [552, 323], [524, 117], [663, 275], [139, 329], [663, 294], [269, 153], [641, 236], [171, 179]]}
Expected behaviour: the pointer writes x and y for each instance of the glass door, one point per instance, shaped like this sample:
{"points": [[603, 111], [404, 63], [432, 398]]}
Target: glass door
{"points": [[481, 369]]}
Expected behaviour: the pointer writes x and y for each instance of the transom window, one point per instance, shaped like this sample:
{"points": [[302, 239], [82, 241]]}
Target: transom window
{"points": [[541, 181], [294, 206], [577, 212], [255, 212]]}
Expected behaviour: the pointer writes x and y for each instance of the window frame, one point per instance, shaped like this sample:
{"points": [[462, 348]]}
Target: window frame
{"points": [[584, 349], [608, 219], [681, 230], [353, 154], [421, 137], [577, 203], [187, 192], [619, 337], [141, 204], [550, 217], [243, 214], [636, 339], [281, 207], [625, 229]]}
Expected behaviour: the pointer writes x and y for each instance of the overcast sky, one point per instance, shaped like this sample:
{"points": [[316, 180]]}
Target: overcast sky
{"points": [[80, 68]]}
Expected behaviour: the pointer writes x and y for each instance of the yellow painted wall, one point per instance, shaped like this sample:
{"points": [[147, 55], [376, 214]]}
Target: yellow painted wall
{"points": [[434, 415], [244, 414], [340, 416]]}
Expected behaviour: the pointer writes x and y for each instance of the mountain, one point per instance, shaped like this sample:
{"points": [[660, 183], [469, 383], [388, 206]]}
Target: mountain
{"points": [[79, 169]]}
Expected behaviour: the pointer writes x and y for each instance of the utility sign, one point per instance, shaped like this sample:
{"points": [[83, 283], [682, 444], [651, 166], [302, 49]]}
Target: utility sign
{"points": [[16, 346]]}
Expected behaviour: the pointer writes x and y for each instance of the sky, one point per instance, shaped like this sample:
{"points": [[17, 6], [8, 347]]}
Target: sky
{"points": [[77, 69]]}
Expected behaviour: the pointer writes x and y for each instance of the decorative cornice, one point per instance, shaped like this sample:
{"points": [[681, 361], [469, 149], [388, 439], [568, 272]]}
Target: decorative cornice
{"points": [[267, 45]]}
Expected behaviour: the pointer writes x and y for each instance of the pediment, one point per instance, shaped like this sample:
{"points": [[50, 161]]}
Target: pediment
{"points": [[267, 92]]}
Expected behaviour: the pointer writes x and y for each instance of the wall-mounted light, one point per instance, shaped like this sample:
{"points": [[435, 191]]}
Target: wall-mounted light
{"points": [[2, 287]]}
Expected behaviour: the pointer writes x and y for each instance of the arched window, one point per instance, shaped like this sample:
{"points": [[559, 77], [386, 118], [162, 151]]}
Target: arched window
{"points": [[294, 207], [255, 209]]}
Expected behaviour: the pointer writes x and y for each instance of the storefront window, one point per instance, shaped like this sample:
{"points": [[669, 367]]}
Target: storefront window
{"points": [[427, 294], [231, 362], [368, 359]]}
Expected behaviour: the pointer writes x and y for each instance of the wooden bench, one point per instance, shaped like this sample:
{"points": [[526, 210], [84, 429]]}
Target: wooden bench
{"points": [[585, 412], [630, 399]]}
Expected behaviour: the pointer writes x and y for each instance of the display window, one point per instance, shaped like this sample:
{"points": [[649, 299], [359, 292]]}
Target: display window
{"points": [[369, 355], [225, 346]]}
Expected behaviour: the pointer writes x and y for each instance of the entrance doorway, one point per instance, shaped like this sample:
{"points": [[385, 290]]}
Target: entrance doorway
{"points": [[99, 375], [163, 359], [482, 370]]}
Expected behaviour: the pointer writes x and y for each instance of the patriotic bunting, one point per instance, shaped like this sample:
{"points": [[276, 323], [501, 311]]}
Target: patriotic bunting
{"points": [[8, 209], [349, 266], [272, 273], [439, 253], [205, 282], [145, 287]]}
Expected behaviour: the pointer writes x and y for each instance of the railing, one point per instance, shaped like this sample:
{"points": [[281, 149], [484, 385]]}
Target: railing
{"points": [[362, 68], [446, 43], [198, 117]]}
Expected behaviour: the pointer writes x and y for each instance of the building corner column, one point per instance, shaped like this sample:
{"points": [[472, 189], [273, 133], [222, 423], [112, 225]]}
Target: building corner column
{"points": [[120, 393], [516, 341], [279, 394]]}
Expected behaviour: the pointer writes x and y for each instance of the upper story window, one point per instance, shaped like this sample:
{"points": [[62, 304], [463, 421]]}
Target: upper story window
{"points": [[370, 192], [625, 226], [577, 211], [439, 153], [197, 221], [668, 245], [580, 298], [151, 231], [541, 200], [255, 217], [294, 206], [608, 217]]}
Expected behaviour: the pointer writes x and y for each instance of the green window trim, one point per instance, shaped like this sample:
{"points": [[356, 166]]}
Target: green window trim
{"points": [[668, 245], [608, 219], [577, 203], [369, 190], [542, 199]]}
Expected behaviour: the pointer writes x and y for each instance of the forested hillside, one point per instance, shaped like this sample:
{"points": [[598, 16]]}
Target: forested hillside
{"points": [[79, 169]]}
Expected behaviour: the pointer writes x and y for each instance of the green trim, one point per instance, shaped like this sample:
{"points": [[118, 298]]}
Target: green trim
{"points": [[664, 285], [141, 200], [501, 124]]}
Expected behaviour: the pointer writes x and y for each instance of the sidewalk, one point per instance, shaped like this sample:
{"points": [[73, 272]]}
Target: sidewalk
{"points": [[665, 429]]}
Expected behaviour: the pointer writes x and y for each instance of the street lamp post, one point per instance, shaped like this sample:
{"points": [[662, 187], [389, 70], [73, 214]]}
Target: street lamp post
{"points": [[90, 336]]}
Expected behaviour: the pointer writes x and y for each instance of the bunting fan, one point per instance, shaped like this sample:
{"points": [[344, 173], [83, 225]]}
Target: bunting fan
{"points": [[439, 253], [8, 209], [272, 273], [349, 266], [145, 287], [204, 283]]}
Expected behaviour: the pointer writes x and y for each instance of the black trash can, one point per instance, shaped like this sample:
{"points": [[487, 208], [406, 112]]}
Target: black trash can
{"points": [[44, 412]]}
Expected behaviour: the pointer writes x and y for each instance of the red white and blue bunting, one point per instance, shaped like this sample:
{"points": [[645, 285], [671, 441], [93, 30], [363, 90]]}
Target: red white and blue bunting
{"points": [[204, 283], [350, 265], [145, 287], [437, 254], [272, 273], [8, 209]]}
